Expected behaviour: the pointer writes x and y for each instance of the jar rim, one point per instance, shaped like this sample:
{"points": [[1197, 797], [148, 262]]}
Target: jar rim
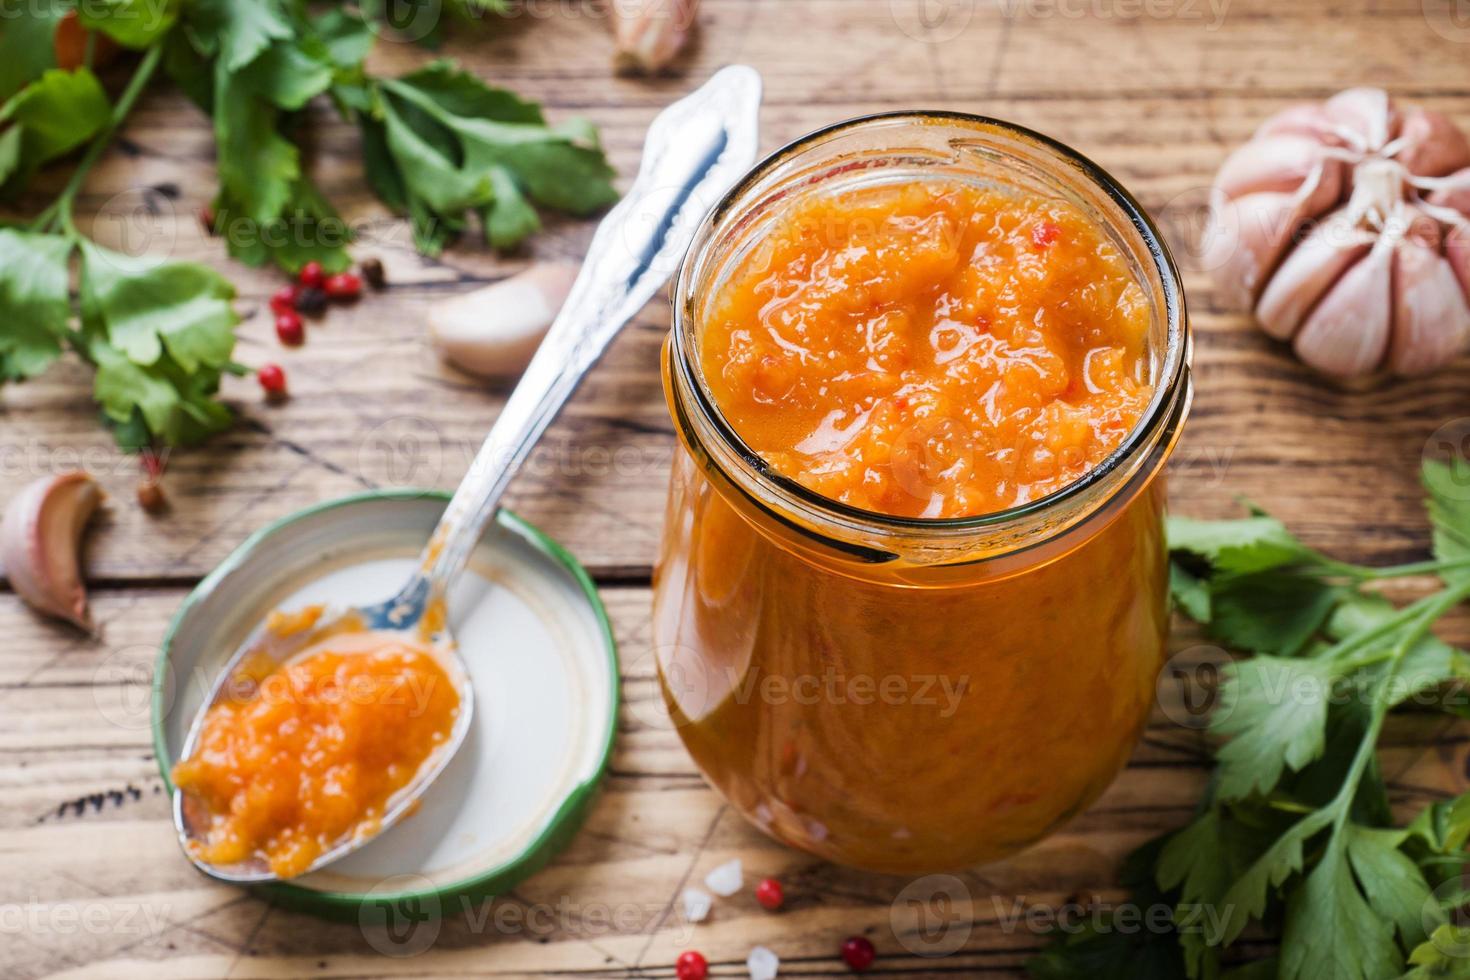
{"points": [[1169, 400]]}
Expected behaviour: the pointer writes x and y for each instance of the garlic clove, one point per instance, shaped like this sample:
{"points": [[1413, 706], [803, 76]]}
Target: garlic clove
{"points": [[1453, 192], [1457, 255], [1422, 229], [1367, 115], [1431, 319], [1347, 334], [1308, 272], [1247, 235], [40, 537], [493, 332], [650, 33], [1307, 119], [1432, 145], [1278, 164]]}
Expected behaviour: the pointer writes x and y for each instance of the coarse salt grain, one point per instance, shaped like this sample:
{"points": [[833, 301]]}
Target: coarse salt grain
{"points": [[725, 880], [762, 964], [696, 905]]}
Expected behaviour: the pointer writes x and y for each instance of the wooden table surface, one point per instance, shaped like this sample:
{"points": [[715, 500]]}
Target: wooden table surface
{"points": [[1156, 91]]}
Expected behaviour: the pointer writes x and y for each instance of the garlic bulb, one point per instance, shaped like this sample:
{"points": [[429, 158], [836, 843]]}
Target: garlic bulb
{"points": [[1345, 227], [39, 540]]}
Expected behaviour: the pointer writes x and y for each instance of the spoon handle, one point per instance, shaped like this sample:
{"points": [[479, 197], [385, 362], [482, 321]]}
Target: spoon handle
{"points": [[696, 149]]}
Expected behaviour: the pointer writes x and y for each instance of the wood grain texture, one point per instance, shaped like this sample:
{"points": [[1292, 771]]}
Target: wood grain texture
{"points": [[1155, 92]]}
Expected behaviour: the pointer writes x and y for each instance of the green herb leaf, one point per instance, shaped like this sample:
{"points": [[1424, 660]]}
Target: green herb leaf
{"points": [[1237, 547], [131, 23], [1274, 712], [1448, 484], [441, 143], [257, 166], [156, 401], [1246, 899], [143, 307], [1331, 930], [1392, 883], [1270, 612], [1191, 593], [1443, 955], [55, 114], [238, 30], [28, 44], [160, 335], [33, 294]]}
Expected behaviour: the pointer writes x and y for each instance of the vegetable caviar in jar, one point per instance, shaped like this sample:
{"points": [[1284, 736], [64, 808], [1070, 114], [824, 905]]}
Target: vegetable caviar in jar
{"points": [[930, 349], [911, 599]]}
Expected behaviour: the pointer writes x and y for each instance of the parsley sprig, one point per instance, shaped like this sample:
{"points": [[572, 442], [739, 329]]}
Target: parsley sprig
{"points": [[440, 146], [1295, 839]]}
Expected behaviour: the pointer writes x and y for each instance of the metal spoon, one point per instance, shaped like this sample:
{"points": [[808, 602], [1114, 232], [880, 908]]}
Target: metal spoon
{"points": [[695, 151]]}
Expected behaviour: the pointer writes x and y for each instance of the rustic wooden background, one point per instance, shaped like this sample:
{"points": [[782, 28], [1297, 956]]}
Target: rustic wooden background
{"points": [[1155, 90]]}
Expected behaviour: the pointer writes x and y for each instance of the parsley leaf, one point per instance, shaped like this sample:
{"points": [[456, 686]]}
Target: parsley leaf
{"points": [[1274, 712], [131, 23], [33, 294], [1331, 930], [1392, 882], [1270, 612], [1238, 547], [237, 30], [161, 335], [440, 143], [143, 306], [1448, 484], [27, 44], [53, 115]]}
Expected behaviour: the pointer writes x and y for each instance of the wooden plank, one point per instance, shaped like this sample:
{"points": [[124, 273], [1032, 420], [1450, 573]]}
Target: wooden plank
{"points": [[85, 837], [1155, 91], [373, 407]]}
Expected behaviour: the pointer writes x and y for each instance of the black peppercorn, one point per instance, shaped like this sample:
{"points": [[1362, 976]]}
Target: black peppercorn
{"points": [[372, 271], [311, 302]]}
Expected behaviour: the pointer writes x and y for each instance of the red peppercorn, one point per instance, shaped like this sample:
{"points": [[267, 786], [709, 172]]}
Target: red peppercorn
{"points": [[858, 953], [691, 966], [271, 378], [311, 274], [283, 300], [288, 328], [344, 285], [769, 893]]}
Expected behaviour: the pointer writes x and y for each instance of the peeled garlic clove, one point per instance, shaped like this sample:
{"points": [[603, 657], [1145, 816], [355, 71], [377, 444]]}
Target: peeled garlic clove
{"points": [[1347, 334], [494, 331], [1307, 119], [1432, 145], [1431, 320], [650, 33], [1277, 164], [39, 542], [1307, 273], [1367, 113]]}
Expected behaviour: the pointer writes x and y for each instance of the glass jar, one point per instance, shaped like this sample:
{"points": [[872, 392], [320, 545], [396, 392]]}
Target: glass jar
{"points": [[896, 694]]}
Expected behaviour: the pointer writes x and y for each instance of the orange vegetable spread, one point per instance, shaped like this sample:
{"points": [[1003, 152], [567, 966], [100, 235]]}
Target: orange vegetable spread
{"points": [[299, 756], [935, 349], [930, 349]]}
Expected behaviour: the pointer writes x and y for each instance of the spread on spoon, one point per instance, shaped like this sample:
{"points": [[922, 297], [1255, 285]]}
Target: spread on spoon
{"points": [[295, 757]]}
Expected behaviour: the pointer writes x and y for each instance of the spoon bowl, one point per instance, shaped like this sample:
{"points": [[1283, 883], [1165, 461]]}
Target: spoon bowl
{"points": [[696, 149]]}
